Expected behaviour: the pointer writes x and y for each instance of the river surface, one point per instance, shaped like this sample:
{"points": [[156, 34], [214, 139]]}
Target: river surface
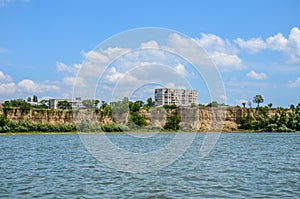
{"points": [[241, 165]]}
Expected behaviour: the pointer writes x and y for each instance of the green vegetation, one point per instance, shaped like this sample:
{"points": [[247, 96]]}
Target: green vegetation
{"points": [[262, 119], [172, 123], [90, 103], [64, 105], [284, 120], [258, 99], [12, 126], [171, 106], [150, 102], [138, 119], [215, 104], [17, 103]]}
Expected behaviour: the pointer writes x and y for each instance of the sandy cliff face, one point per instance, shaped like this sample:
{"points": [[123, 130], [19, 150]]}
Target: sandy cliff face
{"points": [[197, 119]]}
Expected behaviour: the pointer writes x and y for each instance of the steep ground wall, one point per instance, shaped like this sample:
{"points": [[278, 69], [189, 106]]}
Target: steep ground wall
{"points": [[200, 119]]}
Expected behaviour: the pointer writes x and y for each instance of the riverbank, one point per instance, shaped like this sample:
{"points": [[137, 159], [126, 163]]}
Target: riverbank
{"points": [[133, 132], [194, 119]]}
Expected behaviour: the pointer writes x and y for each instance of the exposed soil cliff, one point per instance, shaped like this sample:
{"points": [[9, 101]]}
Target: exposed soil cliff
{"points": [[198, 119]]}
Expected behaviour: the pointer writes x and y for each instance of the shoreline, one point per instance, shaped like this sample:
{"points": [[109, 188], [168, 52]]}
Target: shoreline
{"points": [[133, 132]]}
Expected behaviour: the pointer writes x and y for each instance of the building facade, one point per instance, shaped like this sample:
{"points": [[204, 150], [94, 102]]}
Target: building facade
{"points": [[178, 97], [75, 103]]}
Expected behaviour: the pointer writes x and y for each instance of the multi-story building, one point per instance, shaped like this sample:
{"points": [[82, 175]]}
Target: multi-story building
{"points": [[75, 103], [178, 97]]}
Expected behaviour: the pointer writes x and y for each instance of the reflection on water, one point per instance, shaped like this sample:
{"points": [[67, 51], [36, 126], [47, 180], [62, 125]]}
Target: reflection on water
{"points": [[240, 166]]}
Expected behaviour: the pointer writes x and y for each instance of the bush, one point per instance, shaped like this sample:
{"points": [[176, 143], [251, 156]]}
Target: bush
{"points": [[114, 127], [172, 123], [138, 119], [171, 106]]}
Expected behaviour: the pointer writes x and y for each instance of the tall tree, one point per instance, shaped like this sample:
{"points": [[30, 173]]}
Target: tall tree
{"points": [[258, 99], [244, 104], [34, 98], [64, 105], [249, 104], [150, 102], [90, 103]]}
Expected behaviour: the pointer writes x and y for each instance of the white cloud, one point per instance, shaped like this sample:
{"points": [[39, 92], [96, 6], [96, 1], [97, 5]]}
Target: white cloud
{"points": [[294, 84], [170, 85], [180, 69], [61, 67], [277, 42], [8, 88], [226, 61], [4, 77], [114, 75], [71, 81], [290, 46], [95, 56], [293, 46], [28, 86], [223, 97], [221, 51], [258, 76], [252, 45], [213, 43], [50, 87], [150, 44]]}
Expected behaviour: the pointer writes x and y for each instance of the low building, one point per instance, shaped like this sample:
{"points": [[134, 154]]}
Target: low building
{"points": [[178, 97], [75, 103]]}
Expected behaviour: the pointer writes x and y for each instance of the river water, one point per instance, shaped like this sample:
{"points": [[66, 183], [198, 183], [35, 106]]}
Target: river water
{"points": [[241, 165]]}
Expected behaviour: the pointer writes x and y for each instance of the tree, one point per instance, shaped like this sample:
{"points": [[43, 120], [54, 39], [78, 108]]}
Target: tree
{"points": [[64, 105], [172, 123], [215, 104], [244, 104], [34, 98], [135, 106], [45, 103], [249, 104], [90, 103], [138, 119], [258, 99], [270, 105], [19, 103], [150, 102], [292, 106], [103, 104]]}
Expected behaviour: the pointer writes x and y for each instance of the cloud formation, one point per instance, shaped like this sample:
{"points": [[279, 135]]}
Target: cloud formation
{"points": [[258, 76], [61, 67], [294, 84], [222, 52], [4, 77], [252, 45], [289, 46]]}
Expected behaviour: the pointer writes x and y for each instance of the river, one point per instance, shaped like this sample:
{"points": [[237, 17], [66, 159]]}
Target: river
{"points": [[240, 165]]}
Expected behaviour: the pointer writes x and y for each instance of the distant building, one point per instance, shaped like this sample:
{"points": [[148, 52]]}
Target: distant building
{"points": [[178, 97], [34, 103], [75, 103]]}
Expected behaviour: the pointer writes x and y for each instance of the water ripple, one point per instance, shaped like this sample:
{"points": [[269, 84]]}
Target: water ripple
{"points": [[240, 166]]}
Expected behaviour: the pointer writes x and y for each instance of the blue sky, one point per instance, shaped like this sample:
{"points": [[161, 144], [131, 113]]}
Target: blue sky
{"points": [[255, 44]]}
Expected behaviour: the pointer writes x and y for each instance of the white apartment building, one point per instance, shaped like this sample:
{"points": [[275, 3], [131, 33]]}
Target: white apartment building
{"points": [[75, 103], [178, 97]]}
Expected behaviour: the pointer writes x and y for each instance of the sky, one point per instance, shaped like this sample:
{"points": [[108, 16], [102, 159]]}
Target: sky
{"points": [[45, 46]]}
